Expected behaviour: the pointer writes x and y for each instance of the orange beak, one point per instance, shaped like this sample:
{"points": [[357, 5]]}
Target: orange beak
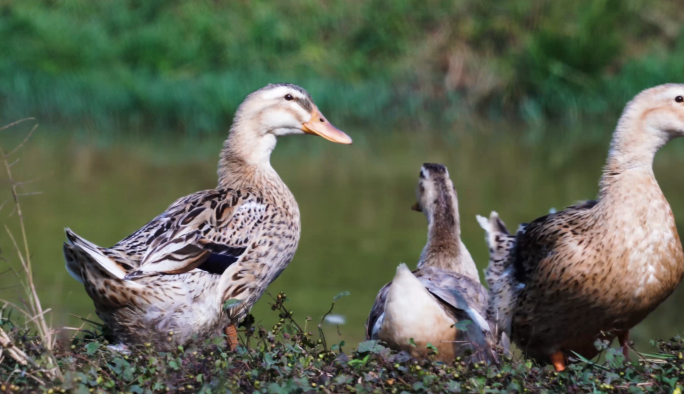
{"points": [[416, 207], [319, 125]]}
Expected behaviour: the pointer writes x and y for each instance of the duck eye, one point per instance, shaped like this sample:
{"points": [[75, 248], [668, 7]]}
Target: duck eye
{"points": [[679, 99], [289, 97]]}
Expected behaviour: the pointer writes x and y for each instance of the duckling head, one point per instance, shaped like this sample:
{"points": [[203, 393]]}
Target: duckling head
{"points": [[436, 195], [273, 111], [438, 201]]}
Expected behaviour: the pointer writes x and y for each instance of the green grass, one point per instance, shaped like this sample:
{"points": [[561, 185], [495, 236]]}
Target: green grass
{"points": [[187, 65]]}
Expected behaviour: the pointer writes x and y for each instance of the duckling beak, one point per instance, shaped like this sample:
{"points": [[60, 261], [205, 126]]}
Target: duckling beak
{"points": [[416, 207], [319, 125]]}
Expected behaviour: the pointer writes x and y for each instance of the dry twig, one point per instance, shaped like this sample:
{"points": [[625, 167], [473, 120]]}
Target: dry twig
{"points": [[34, 312]]}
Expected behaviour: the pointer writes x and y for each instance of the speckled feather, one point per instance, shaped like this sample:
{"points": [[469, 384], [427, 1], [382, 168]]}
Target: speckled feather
{"points": [[260, 234], [597, 269], [447, 271], [175, 273]]}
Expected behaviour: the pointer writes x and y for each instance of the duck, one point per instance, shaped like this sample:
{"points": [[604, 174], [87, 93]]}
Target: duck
{"points": [[200, 266], [441, 306], [596, 269]]}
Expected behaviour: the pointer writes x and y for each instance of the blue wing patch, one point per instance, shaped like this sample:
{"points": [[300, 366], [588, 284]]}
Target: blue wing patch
{"points": [[217, 263]]}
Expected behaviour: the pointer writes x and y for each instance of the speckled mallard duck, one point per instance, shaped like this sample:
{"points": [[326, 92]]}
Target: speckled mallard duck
{"points": [[229, 243], [424, 305], [594, 270]]}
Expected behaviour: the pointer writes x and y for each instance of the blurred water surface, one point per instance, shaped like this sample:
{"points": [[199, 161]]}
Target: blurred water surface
{"points": [[356, 222]]}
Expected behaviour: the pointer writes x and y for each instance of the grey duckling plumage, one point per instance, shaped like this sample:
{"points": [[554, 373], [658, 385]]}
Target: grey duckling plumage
{"points": [[425, 305]]}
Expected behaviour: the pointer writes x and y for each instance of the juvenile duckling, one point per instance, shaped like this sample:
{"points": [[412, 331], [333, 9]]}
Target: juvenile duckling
{"points": [[167, 283], [594, 270], [424, 306]]}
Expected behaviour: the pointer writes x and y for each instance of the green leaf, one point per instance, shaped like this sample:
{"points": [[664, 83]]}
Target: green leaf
{"points": [[92, 347], [432, 347], [340, 295], [231, 303], [173, 364], [593, 364], [659, 356], [672, 381], [275, 388], [342, 379], [268, 359], [453, 387], [137, 389], [356, 361], [337, 346], [462, 325], [371, 346], [412, 342], [128, 373]]}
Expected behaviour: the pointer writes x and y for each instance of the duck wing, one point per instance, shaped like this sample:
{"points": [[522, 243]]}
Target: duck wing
{"points": [[377, 313], [538, 240], [208, 230], [459, 292], [464, 299]]}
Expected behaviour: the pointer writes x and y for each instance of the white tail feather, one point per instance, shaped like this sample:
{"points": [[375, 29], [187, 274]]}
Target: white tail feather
{"points": [[499, 274], [94, 251]]}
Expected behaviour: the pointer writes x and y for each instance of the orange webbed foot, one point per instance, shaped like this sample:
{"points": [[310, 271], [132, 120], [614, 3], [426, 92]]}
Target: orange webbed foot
{"points": [[558, 361], [232, 336]]}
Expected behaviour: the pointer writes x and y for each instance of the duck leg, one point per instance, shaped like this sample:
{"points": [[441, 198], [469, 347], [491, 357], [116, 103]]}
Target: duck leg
{"points": [[558, 361], [623, 339], [232, 336]]}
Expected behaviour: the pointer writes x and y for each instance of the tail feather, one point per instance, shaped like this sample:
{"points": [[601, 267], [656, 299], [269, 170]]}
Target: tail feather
{"points": [[92, 250], [500, 243], [478, 338], [499, 275], [71, 264]]}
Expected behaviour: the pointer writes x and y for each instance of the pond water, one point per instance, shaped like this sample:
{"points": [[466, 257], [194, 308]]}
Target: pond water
{"points": [[354, 200]]}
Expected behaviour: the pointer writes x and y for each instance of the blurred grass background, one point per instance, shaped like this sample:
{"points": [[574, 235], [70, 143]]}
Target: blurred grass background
{"points": [[178, 65]]}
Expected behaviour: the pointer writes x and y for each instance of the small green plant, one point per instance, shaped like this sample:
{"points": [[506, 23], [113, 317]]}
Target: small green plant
{"points": [[287, 359]]}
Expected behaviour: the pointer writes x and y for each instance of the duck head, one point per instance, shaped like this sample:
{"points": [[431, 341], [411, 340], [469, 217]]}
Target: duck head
{"points": [[658, 111], [268, 113], [652, 119], [286, 109]]}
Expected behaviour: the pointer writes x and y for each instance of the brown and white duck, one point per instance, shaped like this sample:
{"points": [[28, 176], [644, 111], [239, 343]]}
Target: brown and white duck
{"points": [[167, 283], [425, 306], [597, 269]]}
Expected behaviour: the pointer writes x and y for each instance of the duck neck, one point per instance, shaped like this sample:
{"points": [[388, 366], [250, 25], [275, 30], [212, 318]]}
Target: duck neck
{"points": [[443, 248], [632, 150], [246, 156]]}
